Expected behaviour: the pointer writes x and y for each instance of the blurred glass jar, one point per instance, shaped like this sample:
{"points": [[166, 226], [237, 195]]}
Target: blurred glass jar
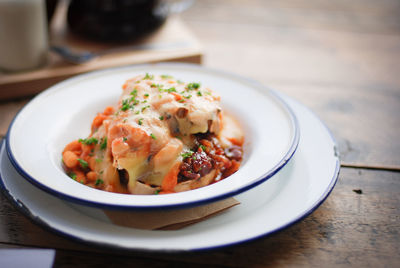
{"points": [[23, 34], [118, 20]]}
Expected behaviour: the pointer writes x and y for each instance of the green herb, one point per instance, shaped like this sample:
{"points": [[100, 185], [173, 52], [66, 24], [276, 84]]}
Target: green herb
{"points": [[140, 121], [187, 154], [169, 90], [146, 95], [98, 182], [124, 139], [145, 107], [83, 163], [144, 101], [72, 175], [148, 76], [103, 144], [192, 86], [159, 96], [152, 136], [88, 141], [161, 118], [207, 92], [99, 160], [157, 191], [202, 147], [166, 76], [188, 96], [82, 182], [134, 92], [137, 112], [199, 93], [181, 100], [125, 105]]}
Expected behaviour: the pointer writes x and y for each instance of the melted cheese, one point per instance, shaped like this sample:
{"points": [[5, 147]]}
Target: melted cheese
{"points": [[152, 111]]}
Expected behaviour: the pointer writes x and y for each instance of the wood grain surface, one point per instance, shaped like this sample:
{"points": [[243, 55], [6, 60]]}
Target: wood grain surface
{"points": [[341, 59], [348, 229]]}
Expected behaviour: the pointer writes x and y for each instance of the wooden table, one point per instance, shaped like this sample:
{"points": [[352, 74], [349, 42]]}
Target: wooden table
{"points": [[340, 58]]}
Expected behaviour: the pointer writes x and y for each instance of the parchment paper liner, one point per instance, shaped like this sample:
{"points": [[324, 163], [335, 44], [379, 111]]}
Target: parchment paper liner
{"points": [[173, 219]]}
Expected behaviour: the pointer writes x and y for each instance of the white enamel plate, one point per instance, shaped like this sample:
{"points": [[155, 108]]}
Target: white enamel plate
{"points": [[293, 193], [64, 113]]}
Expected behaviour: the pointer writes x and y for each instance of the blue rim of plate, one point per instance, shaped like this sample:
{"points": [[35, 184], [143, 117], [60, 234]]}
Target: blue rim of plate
{"points": [[26, 212], [286, 158]]}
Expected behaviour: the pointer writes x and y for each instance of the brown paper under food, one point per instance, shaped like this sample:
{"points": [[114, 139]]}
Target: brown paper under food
{"points": [[168, 219]]}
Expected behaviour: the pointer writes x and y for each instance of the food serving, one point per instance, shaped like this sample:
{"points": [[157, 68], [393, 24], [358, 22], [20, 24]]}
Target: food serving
{"points": [[163, 136]]}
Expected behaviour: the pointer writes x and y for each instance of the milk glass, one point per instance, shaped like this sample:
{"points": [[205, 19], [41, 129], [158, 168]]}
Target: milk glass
{"points": [[23, 34]]}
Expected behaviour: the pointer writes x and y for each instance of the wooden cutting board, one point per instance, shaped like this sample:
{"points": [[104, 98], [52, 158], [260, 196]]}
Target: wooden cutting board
{"points": [[172, 42]]}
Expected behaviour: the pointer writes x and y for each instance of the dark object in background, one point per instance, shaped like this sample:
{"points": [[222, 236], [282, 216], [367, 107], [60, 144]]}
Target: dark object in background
{"points": [[115, 20], [50, 8]]}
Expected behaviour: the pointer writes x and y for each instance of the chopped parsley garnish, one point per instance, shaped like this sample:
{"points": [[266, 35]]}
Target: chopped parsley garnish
{"points": [[124, 139], [137, 112], [181, 100], [146, 95], [88, 141], [148, 76], [99, 160], [202, 147], [125, 105], [134, 92], [103, 144], [161, 118], [144, 101], [152, 136], [192, 86], [135, 102], [157, 191], [187, 154], [199, 93], [188, 96], [98, 182], [169, 90], [159, 86], [166, 76], [145, 107], [72, 175], [83, 163], [140, 121]]}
